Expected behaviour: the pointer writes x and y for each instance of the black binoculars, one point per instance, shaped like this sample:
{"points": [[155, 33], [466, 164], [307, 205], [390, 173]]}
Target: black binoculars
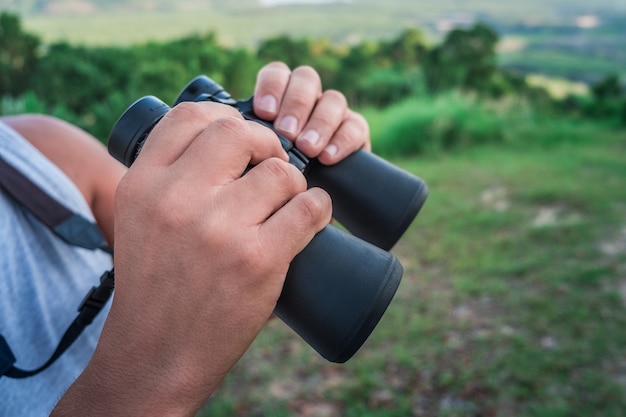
{"points": [[340, 285]]}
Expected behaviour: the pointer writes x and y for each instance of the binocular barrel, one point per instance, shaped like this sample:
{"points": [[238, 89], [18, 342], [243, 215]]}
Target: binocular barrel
{"points": [[340, 285]]}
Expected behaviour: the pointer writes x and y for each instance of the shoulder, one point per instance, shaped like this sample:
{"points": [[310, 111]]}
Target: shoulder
{"points": [[79, 155]]}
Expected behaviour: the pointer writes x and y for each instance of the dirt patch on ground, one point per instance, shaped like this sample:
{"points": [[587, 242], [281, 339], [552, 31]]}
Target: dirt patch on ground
{"points": [[614, 248]]}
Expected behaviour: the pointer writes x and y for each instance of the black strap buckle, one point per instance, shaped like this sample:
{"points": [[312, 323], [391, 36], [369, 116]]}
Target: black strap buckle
{"points": [[96, 298]]}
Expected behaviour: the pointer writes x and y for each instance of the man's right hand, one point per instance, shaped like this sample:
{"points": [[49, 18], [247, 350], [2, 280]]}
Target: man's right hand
{"points": [[201, 254]]}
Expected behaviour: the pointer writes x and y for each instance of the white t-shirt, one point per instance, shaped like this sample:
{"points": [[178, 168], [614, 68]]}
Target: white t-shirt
{"points": [[42, 282]]}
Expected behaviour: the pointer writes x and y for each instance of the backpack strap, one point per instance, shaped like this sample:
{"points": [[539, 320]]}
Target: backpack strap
{"points": [[71, 228], [89, 308]]}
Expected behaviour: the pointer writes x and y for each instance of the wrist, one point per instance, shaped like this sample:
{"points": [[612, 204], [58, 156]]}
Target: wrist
{"points": [[128, 377], [102, 390]]}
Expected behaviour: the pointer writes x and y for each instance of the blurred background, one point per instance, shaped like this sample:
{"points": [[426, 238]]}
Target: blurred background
{"points": [[513, 301]]}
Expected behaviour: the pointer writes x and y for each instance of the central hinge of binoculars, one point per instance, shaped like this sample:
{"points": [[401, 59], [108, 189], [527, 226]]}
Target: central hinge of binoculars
{"points": [[297, 159]]}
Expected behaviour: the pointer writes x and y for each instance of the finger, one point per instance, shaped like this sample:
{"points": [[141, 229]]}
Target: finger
{"points": [[263, 190], [271, 84], [296, 223], [329, 113], [178, 129], [225, 148], [303, 91], [352, 135]]}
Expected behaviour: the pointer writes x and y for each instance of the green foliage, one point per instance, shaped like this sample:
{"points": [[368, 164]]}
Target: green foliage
{"points": [[610, 98], [407, 50], [608, 88], [283, 48], [439, 123], [79, 76], [466, 59], [320, 54], [383, 87], [18, 55], [91, 86]]}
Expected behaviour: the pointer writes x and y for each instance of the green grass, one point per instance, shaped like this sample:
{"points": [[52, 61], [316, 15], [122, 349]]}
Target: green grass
{"points": [[513, 301]]}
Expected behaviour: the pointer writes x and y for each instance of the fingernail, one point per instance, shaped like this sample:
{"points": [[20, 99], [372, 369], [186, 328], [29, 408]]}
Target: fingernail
{"points": [[288, 124], [310, 136], [268, 103], [331, 150]]}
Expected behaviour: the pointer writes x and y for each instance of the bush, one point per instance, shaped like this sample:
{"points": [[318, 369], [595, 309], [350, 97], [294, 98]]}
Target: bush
{"points": [[439, 123]]}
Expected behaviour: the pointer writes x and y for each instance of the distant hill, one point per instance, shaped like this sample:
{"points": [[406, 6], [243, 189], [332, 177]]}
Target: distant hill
{"points": [[577, 39], [539, 11]]}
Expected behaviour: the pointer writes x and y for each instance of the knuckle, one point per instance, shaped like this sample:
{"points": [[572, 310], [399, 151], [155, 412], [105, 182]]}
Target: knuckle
{"points": [[357, 122], [358, 119], [171, 209], [276, 66], [232, 125], [314, 205], [298, 101], [286, 174], [336, 97], [344, 136], [354, 129], [189, 110], [252, 257], [277, 168], [307, 72], [186, 110]]}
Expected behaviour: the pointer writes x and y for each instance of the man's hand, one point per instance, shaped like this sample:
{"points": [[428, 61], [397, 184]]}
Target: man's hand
{"points": [[201, 254], [320, 122]]}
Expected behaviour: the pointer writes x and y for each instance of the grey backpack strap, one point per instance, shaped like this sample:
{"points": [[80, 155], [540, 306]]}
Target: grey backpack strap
{"points": [[71, 228]]}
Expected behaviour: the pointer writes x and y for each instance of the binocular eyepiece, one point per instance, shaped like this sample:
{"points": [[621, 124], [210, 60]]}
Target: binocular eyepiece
{"points": [[340, 285]]}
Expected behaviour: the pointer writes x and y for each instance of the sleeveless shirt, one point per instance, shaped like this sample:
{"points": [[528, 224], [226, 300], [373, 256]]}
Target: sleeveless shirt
{"points": [[42, 282]]}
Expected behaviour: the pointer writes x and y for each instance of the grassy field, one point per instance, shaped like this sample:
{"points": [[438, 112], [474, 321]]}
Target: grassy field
{"points": [[577, 56], [513, 301]]}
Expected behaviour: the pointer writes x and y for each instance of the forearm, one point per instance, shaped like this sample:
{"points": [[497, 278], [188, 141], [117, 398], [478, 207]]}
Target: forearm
{"points": [[131, 375], [101, 391]]}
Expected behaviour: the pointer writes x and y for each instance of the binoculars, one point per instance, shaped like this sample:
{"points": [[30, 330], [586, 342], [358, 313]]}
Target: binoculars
{"points": [[340, 285]]}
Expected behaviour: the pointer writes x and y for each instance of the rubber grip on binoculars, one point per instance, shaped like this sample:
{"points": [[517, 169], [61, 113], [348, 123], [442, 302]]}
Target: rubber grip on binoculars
{"points": [[336, 291], [372, 198]]}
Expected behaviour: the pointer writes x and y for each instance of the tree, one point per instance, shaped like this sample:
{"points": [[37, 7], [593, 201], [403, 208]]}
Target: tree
{"points": [[608, 88], [609, 98], [358, 62], [78, 76], [283, 48], [465, 59], [18, 55], [240, 73], [407, 50]]}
